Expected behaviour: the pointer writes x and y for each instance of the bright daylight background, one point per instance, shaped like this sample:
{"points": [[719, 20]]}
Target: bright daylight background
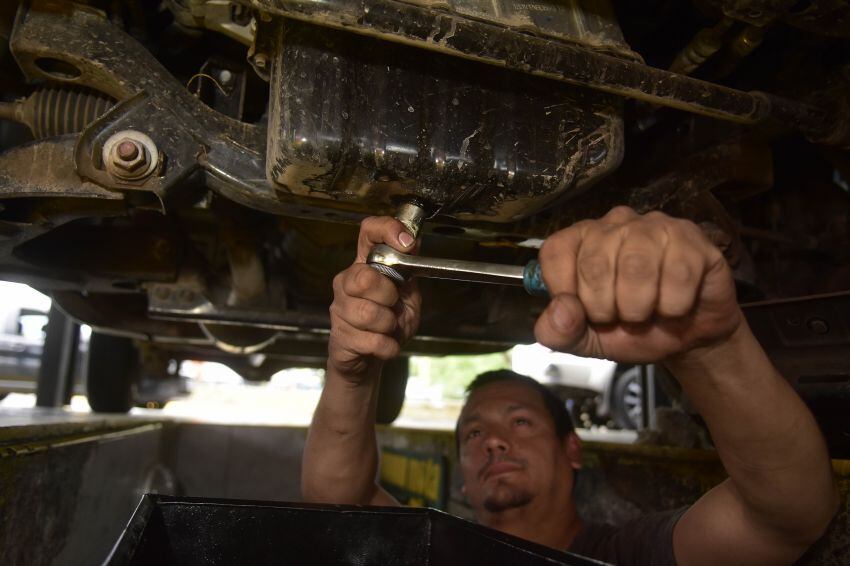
{"points": [[434, 390]]}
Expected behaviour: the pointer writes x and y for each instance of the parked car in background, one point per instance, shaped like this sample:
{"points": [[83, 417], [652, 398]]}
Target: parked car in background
{"points": [[23, 318], [23, 325], [596, 391]]}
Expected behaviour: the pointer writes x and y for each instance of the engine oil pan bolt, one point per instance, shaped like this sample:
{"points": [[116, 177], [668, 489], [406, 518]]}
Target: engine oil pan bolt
{"points": [[130, 156], [412, 214]]}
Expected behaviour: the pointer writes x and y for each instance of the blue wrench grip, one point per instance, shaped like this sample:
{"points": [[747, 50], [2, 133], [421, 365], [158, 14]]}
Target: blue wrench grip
{"points": [[532, 280]]}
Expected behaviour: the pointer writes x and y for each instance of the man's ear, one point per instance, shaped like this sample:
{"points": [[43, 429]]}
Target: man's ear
{"points": [[463, 490], [572, 448]]}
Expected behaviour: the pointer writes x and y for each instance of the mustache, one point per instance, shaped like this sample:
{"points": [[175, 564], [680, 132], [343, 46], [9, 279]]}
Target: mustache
{"points": [[498, 460]]}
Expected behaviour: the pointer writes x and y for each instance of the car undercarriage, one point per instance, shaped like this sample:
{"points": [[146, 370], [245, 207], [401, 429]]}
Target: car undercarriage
{"points": [[191, 173]]}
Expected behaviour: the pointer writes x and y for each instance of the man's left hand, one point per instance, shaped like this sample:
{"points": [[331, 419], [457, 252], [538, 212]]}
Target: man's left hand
{"points": [[635, 289]]}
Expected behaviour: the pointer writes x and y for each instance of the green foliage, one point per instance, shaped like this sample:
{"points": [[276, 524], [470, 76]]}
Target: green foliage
{"points": [[455, 372]]}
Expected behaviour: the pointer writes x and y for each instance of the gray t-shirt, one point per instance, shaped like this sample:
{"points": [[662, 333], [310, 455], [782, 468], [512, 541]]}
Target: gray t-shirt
{"points": [[647, 541]]}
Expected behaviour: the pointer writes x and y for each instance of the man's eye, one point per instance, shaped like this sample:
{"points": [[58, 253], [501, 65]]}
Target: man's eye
{"points": [[474, 433], [522, 421]]}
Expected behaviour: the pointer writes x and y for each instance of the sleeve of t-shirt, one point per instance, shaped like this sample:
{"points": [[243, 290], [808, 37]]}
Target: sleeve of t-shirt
{"points": [[647, 541]]}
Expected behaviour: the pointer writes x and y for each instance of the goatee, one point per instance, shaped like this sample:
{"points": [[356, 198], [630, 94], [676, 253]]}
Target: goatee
{"points": [[506, 497]]}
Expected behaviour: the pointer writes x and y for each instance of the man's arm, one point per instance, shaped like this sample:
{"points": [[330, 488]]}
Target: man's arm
{"points": [[370, 320], [780, 495], [644, 289]]}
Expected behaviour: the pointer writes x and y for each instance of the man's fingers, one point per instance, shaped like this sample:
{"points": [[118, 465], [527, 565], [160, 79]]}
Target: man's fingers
{"points": [[681, 274], [382, 230], [637, 273], [596, 268], [366, 315], [563, 327], [679, 285], [619, 215], [646, 287], [362, 281], [370, 316], [558, 259], [358, 343], [410, 307]]}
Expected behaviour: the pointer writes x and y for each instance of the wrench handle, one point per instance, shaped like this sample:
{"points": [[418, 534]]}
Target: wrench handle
{"points": [[532, 280]]}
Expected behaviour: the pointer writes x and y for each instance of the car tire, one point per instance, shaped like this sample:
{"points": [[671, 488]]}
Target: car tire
{"points": [[112, 360], [626, 403], [391, 392]]}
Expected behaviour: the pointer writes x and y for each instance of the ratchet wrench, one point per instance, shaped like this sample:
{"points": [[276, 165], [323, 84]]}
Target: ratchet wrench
{"points": [[400, 267]]}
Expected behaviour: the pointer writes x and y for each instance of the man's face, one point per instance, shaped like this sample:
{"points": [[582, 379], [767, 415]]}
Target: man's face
{"points": [[510, 453]]}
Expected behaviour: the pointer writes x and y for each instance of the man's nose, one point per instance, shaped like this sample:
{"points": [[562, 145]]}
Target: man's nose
{"points": [[496, 442]]}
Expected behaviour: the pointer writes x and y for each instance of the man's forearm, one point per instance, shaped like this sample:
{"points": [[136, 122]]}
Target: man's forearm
{"points": [[340, 456], [371, 318], [765, 436]]}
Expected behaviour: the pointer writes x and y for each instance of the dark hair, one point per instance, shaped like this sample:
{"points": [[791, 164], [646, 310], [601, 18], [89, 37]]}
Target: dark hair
{"points": [[556, 408]]}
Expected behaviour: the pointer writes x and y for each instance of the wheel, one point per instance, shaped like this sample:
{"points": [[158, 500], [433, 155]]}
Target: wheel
{"points": [[109, 381], [626, 404], [391, 391]]}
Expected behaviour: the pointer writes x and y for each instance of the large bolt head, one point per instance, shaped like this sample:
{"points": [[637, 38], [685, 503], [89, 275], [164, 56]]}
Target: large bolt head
{"points": [[129, 155], [127, 150]]}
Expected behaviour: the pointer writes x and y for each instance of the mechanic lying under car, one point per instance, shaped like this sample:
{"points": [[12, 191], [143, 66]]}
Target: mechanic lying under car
{"points": [[630, 288]]}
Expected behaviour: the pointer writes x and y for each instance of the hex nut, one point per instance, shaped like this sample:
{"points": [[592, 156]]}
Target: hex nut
{"points": [[130, 156]]}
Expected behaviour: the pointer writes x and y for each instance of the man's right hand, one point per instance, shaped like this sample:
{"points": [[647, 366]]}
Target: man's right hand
{"points": [[371, 318]]}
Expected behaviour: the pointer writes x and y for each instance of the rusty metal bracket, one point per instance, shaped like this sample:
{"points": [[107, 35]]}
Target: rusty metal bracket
{"points": [[151, 101], [46, 169], [57, 45], [139, 113]]}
